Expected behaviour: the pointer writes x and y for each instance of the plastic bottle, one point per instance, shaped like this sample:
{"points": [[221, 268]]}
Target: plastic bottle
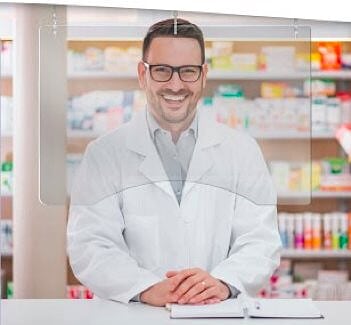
{"points": [[333, 113], [316, 231], [345, 99], [307, 230], [319, 114], [343, 240], [298, 231], [6, 177], [283, 230], [327, 236], [349, 228], [290, 231], [335, 231]]}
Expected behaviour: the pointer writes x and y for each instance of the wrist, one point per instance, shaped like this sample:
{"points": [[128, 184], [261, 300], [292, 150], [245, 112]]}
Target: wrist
{"points": [[226, 290], [143, 296]]}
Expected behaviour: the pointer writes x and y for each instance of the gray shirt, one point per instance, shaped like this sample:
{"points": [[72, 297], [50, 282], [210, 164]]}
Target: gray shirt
{"points": [[175, 157]]}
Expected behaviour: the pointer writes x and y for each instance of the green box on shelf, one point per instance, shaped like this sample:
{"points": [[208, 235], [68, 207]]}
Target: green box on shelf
{"points": [[9, 290]]}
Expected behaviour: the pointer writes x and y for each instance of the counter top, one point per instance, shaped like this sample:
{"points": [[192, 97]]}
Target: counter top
{"points": [[102, 312]]}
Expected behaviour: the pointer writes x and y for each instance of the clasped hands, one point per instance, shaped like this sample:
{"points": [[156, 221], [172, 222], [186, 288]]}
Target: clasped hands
{"points": [[189, 286]]}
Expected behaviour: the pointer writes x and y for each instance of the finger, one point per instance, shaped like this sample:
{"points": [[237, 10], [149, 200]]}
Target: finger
{"points": [[169, 274], [171, 298], [202, 277], [212, 301], [181, 276], [199, 303], [211, 292], [189, 283], [193, 291]]}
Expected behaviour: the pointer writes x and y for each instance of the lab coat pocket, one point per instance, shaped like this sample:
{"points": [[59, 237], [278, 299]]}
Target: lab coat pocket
{"points": [[142, 238]]}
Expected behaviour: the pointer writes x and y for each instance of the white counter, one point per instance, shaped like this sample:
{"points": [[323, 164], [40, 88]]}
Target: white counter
{"points": [[99, 312]]}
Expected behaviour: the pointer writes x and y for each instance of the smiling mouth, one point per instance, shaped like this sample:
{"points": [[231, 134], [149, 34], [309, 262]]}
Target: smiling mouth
{"points": [[174, 99]]}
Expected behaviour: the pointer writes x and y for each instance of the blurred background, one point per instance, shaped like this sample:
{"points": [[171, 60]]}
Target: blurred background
{"points": [[289, 87]]}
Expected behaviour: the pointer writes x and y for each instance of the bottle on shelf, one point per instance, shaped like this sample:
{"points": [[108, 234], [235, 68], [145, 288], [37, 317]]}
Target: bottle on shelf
{"points": [[316, 232], [299, 240], [343, 240], [335, 231], [327, 234], [307, 231]]}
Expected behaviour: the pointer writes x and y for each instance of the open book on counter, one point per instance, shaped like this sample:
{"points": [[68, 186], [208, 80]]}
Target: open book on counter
{"points": [[249, 307]]}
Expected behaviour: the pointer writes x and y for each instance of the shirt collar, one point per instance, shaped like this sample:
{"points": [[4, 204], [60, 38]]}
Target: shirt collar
{"points": [[155, 127]]}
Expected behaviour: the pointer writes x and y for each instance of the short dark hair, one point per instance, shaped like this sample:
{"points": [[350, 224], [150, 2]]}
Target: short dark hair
{"points": [[165, 28]]}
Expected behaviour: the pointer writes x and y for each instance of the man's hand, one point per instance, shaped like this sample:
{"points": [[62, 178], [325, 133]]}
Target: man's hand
{"points": [[159, 294], [196, 286]]}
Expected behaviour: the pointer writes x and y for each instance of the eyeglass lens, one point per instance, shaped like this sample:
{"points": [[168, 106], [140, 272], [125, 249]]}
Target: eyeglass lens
{"points": [[186, 73]]}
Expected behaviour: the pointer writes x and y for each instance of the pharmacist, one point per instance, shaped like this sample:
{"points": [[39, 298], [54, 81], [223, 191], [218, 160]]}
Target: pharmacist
{"points": [[173, 207]]}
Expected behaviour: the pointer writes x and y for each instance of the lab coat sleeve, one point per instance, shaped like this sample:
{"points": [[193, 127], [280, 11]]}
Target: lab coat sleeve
{"points": [[254, 252], [96, 247]]}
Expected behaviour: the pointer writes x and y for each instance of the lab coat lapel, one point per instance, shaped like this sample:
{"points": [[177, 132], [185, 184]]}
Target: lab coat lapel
{"points": [[151, 167], [209, 135]]}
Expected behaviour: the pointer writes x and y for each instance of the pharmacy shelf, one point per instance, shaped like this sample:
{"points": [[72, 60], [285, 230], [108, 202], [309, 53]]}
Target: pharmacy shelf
{"points": [[257, 75], [322, 135], [102, 75], [332, 74], [331, 194], [6, 136], [223, 75], [6, 196], [292, 135], [301, 253], [258, 135], [214, 75], [5, 76], [314, 194]]}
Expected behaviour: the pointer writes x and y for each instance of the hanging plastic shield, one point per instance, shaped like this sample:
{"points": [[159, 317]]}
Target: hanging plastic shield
{"points": [[253, 121]]}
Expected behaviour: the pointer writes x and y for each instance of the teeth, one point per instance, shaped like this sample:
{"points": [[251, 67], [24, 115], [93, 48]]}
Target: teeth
{"points": [[171, 97]]}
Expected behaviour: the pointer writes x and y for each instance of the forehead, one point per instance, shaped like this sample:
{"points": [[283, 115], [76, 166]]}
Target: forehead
{"points": [[174, 51]]}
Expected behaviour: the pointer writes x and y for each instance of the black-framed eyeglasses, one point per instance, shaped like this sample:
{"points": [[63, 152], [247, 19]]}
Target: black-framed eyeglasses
{"points": [[164, 72]]}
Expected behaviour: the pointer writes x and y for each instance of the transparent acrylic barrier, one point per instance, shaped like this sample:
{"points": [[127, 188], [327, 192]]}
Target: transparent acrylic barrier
{"points": [[258, 85]]}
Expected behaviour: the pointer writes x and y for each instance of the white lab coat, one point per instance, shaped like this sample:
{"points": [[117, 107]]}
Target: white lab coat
{"points": [[126, 228]]}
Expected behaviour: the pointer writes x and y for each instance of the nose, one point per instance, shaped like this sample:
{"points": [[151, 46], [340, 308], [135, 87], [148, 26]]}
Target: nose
{"points": [[175, 83]]}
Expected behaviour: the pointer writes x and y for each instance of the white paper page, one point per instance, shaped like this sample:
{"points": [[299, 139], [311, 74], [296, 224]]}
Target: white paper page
{"points": [[282, 308], [227, 308]]}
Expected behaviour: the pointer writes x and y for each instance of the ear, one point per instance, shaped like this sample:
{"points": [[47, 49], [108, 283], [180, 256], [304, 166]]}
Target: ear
{"points": [[142, 75], [204, 74]]}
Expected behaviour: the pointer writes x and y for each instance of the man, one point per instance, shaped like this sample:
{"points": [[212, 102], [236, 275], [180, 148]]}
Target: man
{"points": [[173, 207]]}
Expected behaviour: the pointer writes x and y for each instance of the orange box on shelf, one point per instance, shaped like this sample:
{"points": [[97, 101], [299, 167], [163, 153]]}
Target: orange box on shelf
{"points": [[330, 55]]}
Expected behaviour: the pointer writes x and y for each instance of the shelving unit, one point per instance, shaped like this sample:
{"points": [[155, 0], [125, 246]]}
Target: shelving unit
{"points": [[322, 144], [214, 75], [317, 194], [80, 81], [316, 254], [266, 136]]}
